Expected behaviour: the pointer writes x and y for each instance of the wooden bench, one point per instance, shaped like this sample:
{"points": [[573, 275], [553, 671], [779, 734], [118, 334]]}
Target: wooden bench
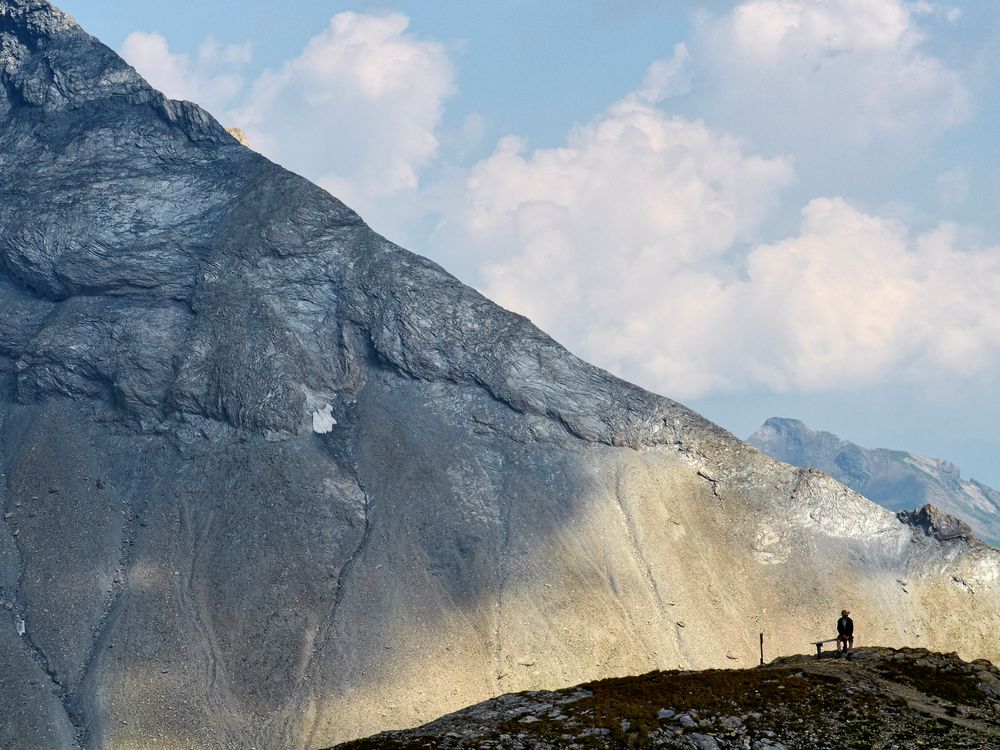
{"points": [[819, 645]]}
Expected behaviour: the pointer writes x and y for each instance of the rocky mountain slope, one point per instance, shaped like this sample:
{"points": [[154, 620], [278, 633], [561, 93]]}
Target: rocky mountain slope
{"points": [[270, 481], [896, 479], [878, 699]]}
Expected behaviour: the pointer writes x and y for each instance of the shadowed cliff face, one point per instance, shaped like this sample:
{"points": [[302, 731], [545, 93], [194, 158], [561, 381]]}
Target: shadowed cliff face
{"points": [[272, 481]]}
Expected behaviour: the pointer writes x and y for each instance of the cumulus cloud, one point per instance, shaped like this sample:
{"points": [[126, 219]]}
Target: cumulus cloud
{"points": [[589, 239], [950, 13], [828, 75], [358, 110], [212, 77], [637, 244], [668, 77], [855, 299]]}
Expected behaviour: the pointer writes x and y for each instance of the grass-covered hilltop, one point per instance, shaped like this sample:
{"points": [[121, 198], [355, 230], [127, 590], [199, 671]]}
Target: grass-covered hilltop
{"points": [[880, 698]]}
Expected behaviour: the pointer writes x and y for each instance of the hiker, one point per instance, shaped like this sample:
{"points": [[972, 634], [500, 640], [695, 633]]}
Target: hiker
{"points": [[845, 633]]}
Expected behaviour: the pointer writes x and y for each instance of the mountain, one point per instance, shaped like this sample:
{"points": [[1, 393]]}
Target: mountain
{"points": [[878, 699], [895, 479], [271, 481]]}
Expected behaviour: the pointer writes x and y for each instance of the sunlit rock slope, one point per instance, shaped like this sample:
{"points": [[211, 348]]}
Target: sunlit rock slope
{"points": [[270, 481]]}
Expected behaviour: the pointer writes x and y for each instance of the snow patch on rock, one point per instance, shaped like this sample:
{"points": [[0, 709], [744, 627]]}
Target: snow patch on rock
{"points": [[323, 420]]}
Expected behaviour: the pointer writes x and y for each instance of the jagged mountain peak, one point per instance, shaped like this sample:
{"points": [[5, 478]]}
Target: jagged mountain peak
{"points": [[48, 62], [38, 18], [935, 522], [784, 423], [794, 428]]}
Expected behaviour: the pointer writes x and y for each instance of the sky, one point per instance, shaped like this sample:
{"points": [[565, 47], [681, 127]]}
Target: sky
{"points": [[758, 208]]}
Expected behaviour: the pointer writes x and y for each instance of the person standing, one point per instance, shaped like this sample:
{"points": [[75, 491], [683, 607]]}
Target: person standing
{"points": [[845, 633]]}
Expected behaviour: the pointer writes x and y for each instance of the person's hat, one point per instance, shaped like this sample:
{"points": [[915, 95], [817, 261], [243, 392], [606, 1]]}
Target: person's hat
{"points": [[844, 613]]}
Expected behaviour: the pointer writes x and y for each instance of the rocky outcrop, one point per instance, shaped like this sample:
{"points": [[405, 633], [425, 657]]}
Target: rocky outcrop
{"points": [[934, 522], [896, 479], [239, 135], [879, 698], [270, 481]]}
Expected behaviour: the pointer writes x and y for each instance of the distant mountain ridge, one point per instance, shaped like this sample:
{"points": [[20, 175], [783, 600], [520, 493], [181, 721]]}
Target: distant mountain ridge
{"points": [[895, 479]]}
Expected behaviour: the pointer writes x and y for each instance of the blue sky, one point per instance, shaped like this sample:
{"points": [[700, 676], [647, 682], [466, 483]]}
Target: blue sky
{"points": [[766, 207]]}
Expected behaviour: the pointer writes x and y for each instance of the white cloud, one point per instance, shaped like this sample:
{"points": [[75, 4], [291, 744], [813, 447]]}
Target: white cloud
{"points": [[668, 77], [855, 299], [358, 110], [822, 77], [212, 78], [624, 243], [589, 240], [950, 13]]}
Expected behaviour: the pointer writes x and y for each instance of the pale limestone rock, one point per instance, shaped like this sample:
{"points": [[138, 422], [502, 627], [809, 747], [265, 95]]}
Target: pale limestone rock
{"points": [[239, 135]]}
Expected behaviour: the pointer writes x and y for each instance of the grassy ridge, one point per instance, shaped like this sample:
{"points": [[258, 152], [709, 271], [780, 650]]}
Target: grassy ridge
{"points": [[881, 698]]}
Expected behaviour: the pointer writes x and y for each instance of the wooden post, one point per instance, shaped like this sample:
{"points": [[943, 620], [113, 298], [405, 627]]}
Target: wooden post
{"points": [[762, 649]]}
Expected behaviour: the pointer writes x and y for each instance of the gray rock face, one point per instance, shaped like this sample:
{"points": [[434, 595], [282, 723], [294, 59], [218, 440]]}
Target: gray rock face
{"points": [[896, 479], [186, 562], [935, 522]]}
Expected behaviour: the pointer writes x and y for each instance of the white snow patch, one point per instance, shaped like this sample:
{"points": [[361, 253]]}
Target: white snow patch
{"points": [[323, 420]]}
